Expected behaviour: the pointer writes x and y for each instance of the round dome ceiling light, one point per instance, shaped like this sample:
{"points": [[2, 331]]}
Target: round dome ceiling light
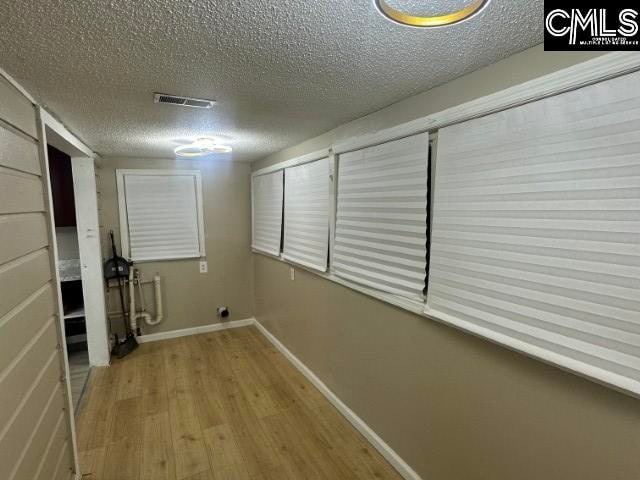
{"points": [[219, 148], [450, 18], [201, 147]]}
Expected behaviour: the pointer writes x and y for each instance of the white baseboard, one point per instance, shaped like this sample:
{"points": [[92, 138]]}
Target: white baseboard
{"points": [[385, 450], [185, 332]]}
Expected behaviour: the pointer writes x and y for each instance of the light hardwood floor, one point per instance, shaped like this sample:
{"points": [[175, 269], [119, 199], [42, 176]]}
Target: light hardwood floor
{"points": [[223, 405]]}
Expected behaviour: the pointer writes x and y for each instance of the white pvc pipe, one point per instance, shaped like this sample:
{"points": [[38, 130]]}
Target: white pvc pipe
{"points": [[158, 304], [146, 316], [132, 305], [143, 314]]}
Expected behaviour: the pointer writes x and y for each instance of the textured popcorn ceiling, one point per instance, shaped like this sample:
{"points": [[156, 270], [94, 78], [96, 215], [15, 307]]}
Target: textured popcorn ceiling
{"points": [[281, 70]]}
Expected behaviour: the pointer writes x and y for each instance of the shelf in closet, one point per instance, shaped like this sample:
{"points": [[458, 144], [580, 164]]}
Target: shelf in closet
{"points": [[75, 313], [70, 278], [69, 270], [75, 339]]}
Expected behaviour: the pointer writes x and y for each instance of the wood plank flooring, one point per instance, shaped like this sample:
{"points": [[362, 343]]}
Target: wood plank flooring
{"points": [[223, 405]]}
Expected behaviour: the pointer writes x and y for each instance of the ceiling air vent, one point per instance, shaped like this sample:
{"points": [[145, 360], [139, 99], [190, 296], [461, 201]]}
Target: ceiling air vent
{"points": [[183, 101]]}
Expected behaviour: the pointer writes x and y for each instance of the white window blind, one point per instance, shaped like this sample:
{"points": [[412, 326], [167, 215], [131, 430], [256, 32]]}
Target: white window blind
{"points": [[381, 220], [267, 191], [306, 214], [161, 214], [536, 233]]}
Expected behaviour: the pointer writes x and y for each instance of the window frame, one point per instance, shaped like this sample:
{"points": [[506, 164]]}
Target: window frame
{"points": [[124, 219], [409, 304], [577, 76]]}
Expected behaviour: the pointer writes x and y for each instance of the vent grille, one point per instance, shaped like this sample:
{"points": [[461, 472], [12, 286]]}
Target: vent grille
{"points": [[183, 101]]}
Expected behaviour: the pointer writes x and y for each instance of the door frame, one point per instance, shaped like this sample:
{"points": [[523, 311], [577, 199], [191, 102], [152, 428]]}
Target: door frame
{"points": [[52, 132], [83, 163], [88, 228]]}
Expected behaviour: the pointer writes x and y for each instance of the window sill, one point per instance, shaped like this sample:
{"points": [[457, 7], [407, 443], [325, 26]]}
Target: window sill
{"points": [[167, 259]]}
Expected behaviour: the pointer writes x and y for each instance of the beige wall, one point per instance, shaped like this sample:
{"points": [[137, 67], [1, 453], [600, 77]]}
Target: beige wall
{"points": [[34, 425], [453, 406], [191, 298]]}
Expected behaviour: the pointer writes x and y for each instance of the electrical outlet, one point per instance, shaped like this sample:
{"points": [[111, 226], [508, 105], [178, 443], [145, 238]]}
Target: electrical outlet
{"points": [[292, 273], [204, 267]]}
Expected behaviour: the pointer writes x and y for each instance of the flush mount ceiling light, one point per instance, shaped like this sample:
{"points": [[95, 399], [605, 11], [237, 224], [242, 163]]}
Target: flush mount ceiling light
{"points": [[450, 18], [201, 147]]}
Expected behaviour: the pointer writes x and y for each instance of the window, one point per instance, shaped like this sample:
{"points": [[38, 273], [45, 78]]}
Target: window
{"points": [[161, 214], [536, 233], [381, 223], [266, 197], [306, 214]]}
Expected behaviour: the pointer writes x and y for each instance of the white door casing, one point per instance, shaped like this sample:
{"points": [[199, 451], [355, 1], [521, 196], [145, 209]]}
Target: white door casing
{"points": [[86, 200]]}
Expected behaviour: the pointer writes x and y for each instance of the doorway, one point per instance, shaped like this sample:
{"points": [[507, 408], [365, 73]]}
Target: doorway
{"points": [[70, 277], [77, 252]]}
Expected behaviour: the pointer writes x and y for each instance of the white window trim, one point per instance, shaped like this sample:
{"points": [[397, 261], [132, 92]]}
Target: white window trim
{"points": [[122, 207], [593, 71], [294, 162]]}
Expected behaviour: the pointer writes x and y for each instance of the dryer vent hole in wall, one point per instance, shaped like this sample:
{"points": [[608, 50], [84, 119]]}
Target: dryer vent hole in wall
{"points": [[222, 312]]}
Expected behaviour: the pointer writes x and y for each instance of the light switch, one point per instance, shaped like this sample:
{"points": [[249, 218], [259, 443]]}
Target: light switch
{"points": [[204, 268], [293, 273]]}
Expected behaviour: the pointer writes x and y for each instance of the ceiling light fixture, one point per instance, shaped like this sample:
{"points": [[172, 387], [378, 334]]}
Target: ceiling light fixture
{"points": [[450, 18], [201, 147]]}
